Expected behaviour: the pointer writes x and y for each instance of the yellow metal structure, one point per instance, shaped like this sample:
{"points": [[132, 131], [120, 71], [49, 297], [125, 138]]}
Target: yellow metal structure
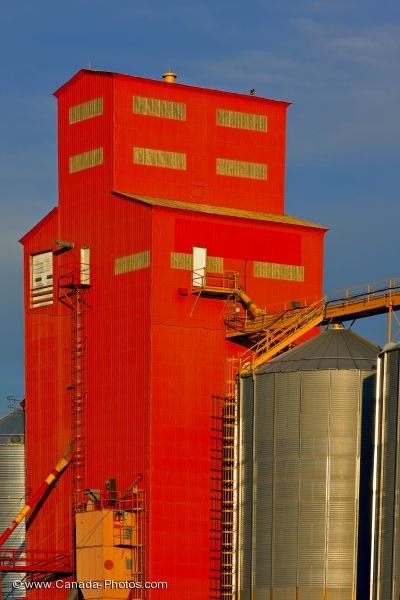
{"points": [[269, 333], [266, 334], [104, 542], [110, 546]]}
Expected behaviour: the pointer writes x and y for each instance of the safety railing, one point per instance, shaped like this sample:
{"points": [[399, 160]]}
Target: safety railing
{"points": [[75, 275], [91, 500], [207, 280], [284, 331], [34, 561]]}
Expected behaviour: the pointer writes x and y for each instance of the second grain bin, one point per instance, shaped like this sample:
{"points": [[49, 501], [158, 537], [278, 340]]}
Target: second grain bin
{"points": [[12, 490], [386, 514], [305, 460]]}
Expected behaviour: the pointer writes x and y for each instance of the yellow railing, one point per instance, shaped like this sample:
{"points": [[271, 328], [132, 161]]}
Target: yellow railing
{"points": [[204, 280]]}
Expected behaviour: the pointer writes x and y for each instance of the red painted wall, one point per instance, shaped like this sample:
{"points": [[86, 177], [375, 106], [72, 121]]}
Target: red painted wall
{"points": [[203, 141], [153, 361], [188, 353]]}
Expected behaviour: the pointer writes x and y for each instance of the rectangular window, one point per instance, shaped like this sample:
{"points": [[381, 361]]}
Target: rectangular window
{"points": [[132, 262], [241, 168], [278, 271], [159, 158], [41, 279], [241, 120], [86, 110], [92, 158], [155, 107], [184, 260]]}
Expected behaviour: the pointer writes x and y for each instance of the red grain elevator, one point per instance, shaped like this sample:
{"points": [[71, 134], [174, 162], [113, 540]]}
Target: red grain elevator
{"points": [[154, 176]]}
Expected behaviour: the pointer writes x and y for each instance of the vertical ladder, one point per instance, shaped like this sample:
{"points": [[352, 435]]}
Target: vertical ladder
{"points": [[216, 498], [229, 482], [79, 392], [139, 549], [72, 289]]}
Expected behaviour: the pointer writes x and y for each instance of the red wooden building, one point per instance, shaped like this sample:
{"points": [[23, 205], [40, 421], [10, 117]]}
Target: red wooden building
{"points": [[155, 179]]}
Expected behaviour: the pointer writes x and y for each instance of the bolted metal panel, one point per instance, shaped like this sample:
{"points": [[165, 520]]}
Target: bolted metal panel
{"points": [[260, 594], [12, 489], [278, 271], [314, 422], [159, 158], [388, 473], [367, 402], [241, 168], [313, 593], [263, 484], [386, 569], [345, 424], [286, 482], [241, 120], [245, 485], [341, 594], [334, 349], [284, 593], [307, 485], [155, 107]]}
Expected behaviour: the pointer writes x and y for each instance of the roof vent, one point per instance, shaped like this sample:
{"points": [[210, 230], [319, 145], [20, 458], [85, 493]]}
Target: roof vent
{"points": [[169, 76]]}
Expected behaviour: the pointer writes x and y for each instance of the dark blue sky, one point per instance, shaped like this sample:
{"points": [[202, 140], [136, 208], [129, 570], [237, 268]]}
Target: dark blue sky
{"points": [[336, 60]]}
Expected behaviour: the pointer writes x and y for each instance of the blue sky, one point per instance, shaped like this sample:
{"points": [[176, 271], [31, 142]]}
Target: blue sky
{"points": [[336, 60]]}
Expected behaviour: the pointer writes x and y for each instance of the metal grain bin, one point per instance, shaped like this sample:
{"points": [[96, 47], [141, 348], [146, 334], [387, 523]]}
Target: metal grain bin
{"points": [[305, 461], [12, 489], [386, 513]]}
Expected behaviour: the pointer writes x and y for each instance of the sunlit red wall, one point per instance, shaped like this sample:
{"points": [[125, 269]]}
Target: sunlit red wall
{"points": [[188, 353], [154, 361]]}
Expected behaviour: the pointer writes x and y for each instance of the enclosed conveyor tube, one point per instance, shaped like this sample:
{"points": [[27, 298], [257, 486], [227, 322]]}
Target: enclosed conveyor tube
{"points": [[36, 497], [249, 304]]}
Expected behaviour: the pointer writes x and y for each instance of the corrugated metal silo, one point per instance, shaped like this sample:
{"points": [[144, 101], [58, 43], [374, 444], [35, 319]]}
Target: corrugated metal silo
{"points": [[303, 533], [386, 513], [12, 489]]}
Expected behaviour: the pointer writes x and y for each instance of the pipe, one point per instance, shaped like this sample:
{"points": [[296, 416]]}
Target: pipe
{"points": [[249, 304], [35, 498]]}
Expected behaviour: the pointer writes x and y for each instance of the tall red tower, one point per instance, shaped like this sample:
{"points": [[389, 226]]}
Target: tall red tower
{"points": [[155, 179]]}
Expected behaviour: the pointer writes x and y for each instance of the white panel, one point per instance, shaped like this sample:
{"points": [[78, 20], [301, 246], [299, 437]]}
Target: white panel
{"points": [[199, 265], [42, 279]]}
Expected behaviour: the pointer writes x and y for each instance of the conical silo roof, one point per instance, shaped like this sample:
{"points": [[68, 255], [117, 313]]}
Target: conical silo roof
{"points": [[12, 424], [333, 349]]}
